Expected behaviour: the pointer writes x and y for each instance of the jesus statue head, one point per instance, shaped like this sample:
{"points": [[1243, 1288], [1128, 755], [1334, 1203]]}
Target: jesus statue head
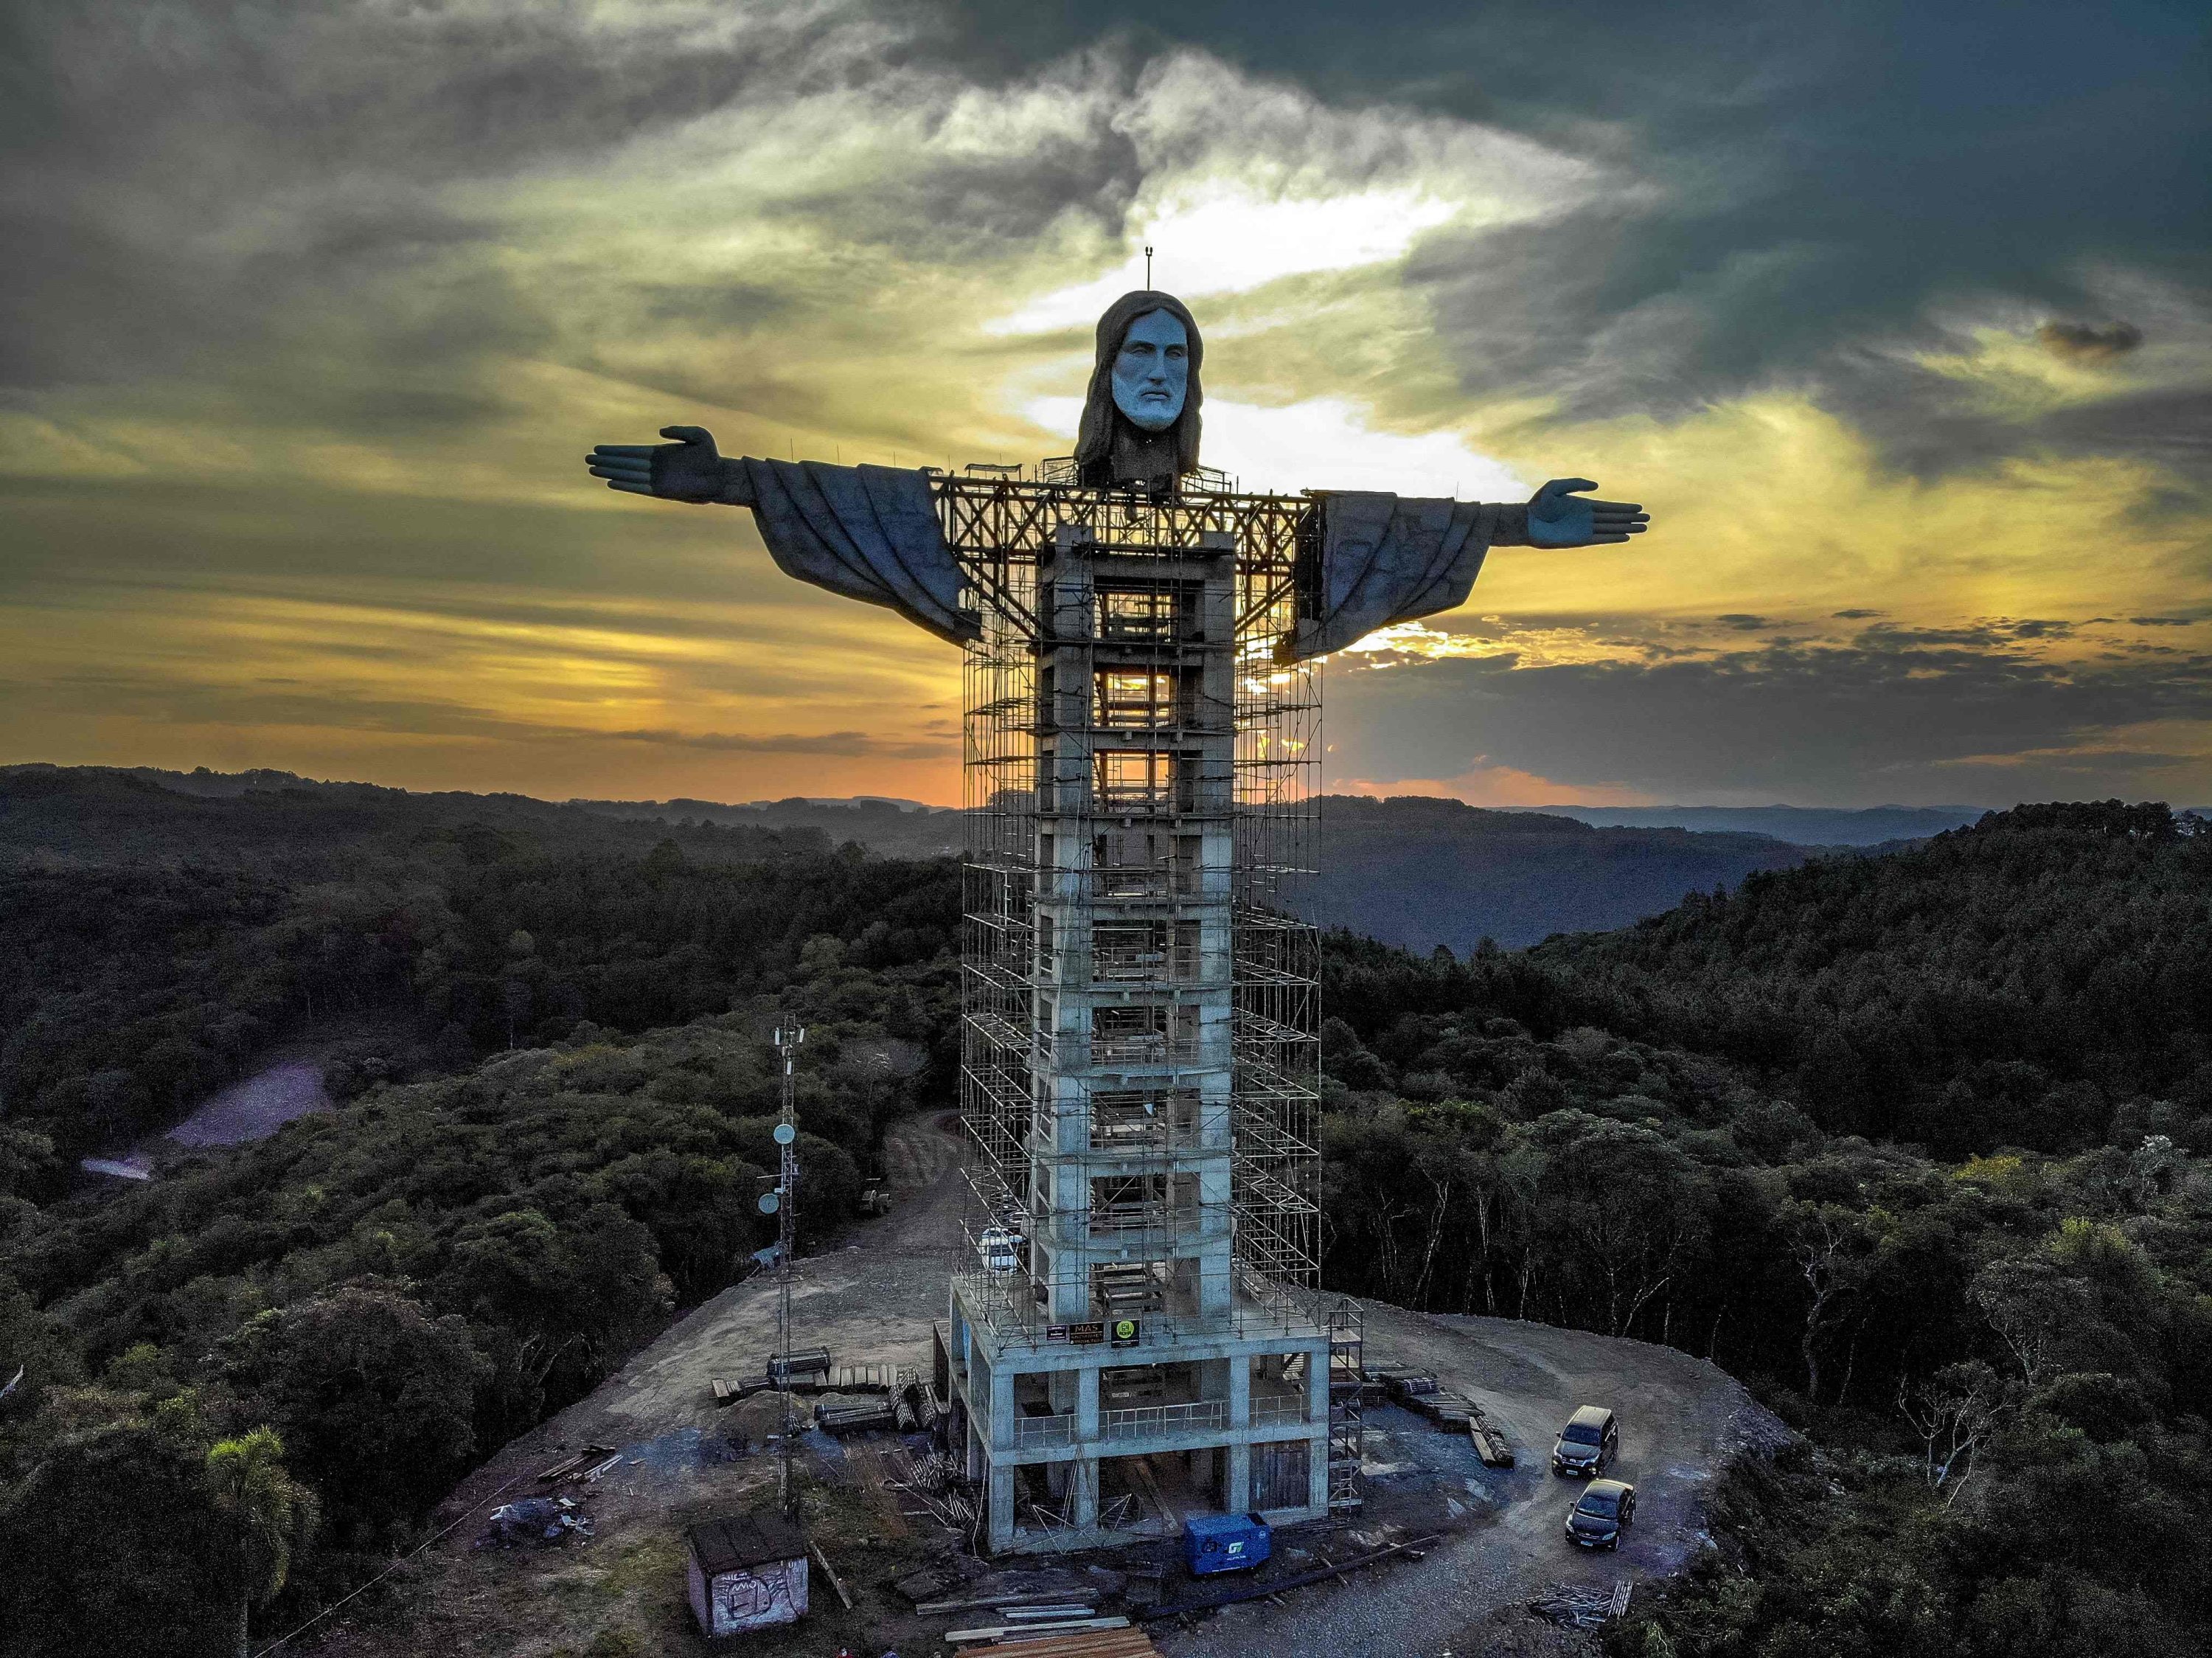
{"points": [[1140, 417]]}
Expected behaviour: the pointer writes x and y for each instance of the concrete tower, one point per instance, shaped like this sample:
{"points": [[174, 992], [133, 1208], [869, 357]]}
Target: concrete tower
{"points": [[1130, 1344]]}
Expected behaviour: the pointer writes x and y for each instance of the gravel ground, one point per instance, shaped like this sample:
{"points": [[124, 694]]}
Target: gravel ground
{"points": [[1681, 1419]]}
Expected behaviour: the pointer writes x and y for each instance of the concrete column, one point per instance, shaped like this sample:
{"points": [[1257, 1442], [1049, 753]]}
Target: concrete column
{"points": [[1082, 1507], [1086, 1408], [1237, 1479], [1236, 1485], [1002, 1507], [1002, 1406], [1317, 1376]]}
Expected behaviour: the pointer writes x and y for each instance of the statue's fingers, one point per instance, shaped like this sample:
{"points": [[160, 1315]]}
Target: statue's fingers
{"points": [[687, 434], [628, 451], [634, 474], [1568, 486], [1616, 506], [627, 487]]}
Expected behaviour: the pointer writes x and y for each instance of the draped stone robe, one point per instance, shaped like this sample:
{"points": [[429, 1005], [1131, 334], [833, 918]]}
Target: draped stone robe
{"points": [[872, 532]]}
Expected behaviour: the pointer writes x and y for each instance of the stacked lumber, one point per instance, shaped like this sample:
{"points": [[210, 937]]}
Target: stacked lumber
{"points": [[1115, 1642], [1399, 1383], [842, 1419], [1489, 1440], [585, 1466]]}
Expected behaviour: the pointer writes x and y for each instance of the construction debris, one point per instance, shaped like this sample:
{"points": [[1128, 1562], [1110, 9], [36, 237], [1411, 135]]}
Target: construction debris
{"points": [[1011, 1605], [540, 1520], [935, 1485], [585, 1465], [1574, 1606], [829, 1572]]}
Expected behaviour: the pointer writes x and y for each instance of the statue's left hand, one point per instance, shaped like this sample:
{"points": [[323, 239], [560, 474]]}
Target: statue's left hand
{"points": [[690, 469], [1558, 518]]}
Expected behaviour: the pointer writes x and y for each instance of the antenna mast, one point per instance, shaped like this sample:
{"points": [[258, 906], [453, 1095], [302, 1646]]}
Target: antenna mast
{"points": [[788, 1039], [1148, 267]]}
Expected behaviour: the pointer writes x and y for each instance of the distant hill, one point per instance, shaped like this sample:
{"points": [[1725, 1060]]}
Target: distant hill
{"points": [[1801, 826], [1419, 872], [272, 821], [888, 828], [1412, 871]]}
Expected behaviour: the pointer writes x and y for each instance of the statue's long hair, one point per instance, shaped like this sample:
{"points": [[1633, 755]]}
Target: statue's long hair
{"points": [[1094, 440]]}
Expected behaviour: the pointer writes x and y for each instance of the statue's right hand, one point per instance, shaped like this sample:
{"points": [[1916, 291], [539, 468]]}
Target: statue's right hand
{"points": [[690, 469]]}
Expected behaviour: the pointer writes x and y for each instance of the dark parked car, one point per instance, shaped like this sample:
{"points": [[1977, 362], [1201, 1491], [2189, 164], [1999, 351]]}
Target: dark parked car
{"points": [[1600, 1514], [1590, 1439]]}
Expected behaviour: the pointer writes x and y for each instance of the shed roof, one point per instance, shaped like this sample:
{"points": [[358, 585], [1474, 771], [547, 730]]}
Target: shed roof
{"points": [[744, 1539]]}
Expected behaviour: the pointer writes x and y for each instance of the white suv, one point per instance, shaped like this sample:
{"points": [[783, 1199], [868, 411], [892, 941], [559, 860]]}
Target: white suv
{"points": [[1000, 1249]]}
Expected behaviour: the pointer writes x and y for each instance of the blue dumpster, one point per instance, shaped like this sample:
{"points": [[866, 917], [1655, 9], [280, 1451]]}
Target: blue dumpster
{"points": [[1224, 1542]]}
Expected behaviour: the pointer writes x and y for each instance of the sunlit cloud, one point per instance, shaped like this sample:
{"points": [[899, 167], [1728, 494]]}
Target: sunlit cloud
{"points": [[1220, 238], [1325, 443]]}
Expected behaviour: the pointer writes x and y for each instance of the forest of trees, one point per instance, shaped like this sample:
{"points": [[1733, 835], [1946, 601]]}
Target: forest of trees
{"points": [[1918, 1144], [1922, 1145]]}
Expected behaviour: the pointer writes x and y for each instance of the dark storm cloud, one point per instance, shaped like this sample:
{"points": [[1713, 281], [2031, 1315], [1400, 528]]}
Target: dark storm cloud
{"points": [[1795, 720], [2085, 342], [1927, 423]]}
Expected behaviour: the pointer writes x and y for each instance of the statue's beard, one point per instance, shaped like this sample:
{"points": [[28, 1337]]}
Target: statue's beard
{"points": [[1151, 415]]}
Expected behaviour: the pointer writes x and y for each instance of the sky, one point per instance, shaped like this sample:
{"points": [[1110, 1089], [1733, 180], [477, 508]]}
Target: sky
{"points": [[1897, 317]]}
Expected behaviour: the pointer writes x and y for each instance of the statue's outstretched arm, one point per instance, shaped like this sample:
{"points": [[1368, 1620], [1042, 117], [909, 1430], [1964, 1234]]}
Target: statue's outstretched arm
{"points": [[1557, 517], [690, 469]]}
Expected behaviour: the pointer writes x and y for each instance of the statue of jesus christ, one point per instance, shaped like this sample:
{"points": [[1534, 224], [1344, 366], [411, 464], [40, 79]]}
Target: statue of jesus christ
{"points": [[871, 532]]}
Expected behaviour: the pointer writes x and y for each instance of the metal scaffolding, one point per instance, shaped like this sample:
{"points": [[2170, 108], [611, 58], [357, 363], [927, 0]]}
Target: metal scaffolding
{"points": [[1089, 713]]}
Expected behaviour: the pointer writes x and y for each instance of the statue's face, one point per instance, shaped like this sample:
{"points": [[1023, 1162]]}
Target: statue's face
{"points": [[1152, 373]]}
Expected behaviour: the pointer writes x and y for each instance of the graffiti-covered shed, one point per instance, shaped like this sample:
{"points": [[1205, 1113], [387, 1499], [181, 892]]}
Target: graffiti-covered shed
{"points": [[747, 1572]]}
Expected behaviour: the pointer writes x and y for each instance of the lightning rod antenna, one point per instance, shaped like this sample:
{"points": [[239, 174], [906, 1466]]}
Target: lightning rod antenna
{"points": [[1148, 267], [788, 1039]]}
